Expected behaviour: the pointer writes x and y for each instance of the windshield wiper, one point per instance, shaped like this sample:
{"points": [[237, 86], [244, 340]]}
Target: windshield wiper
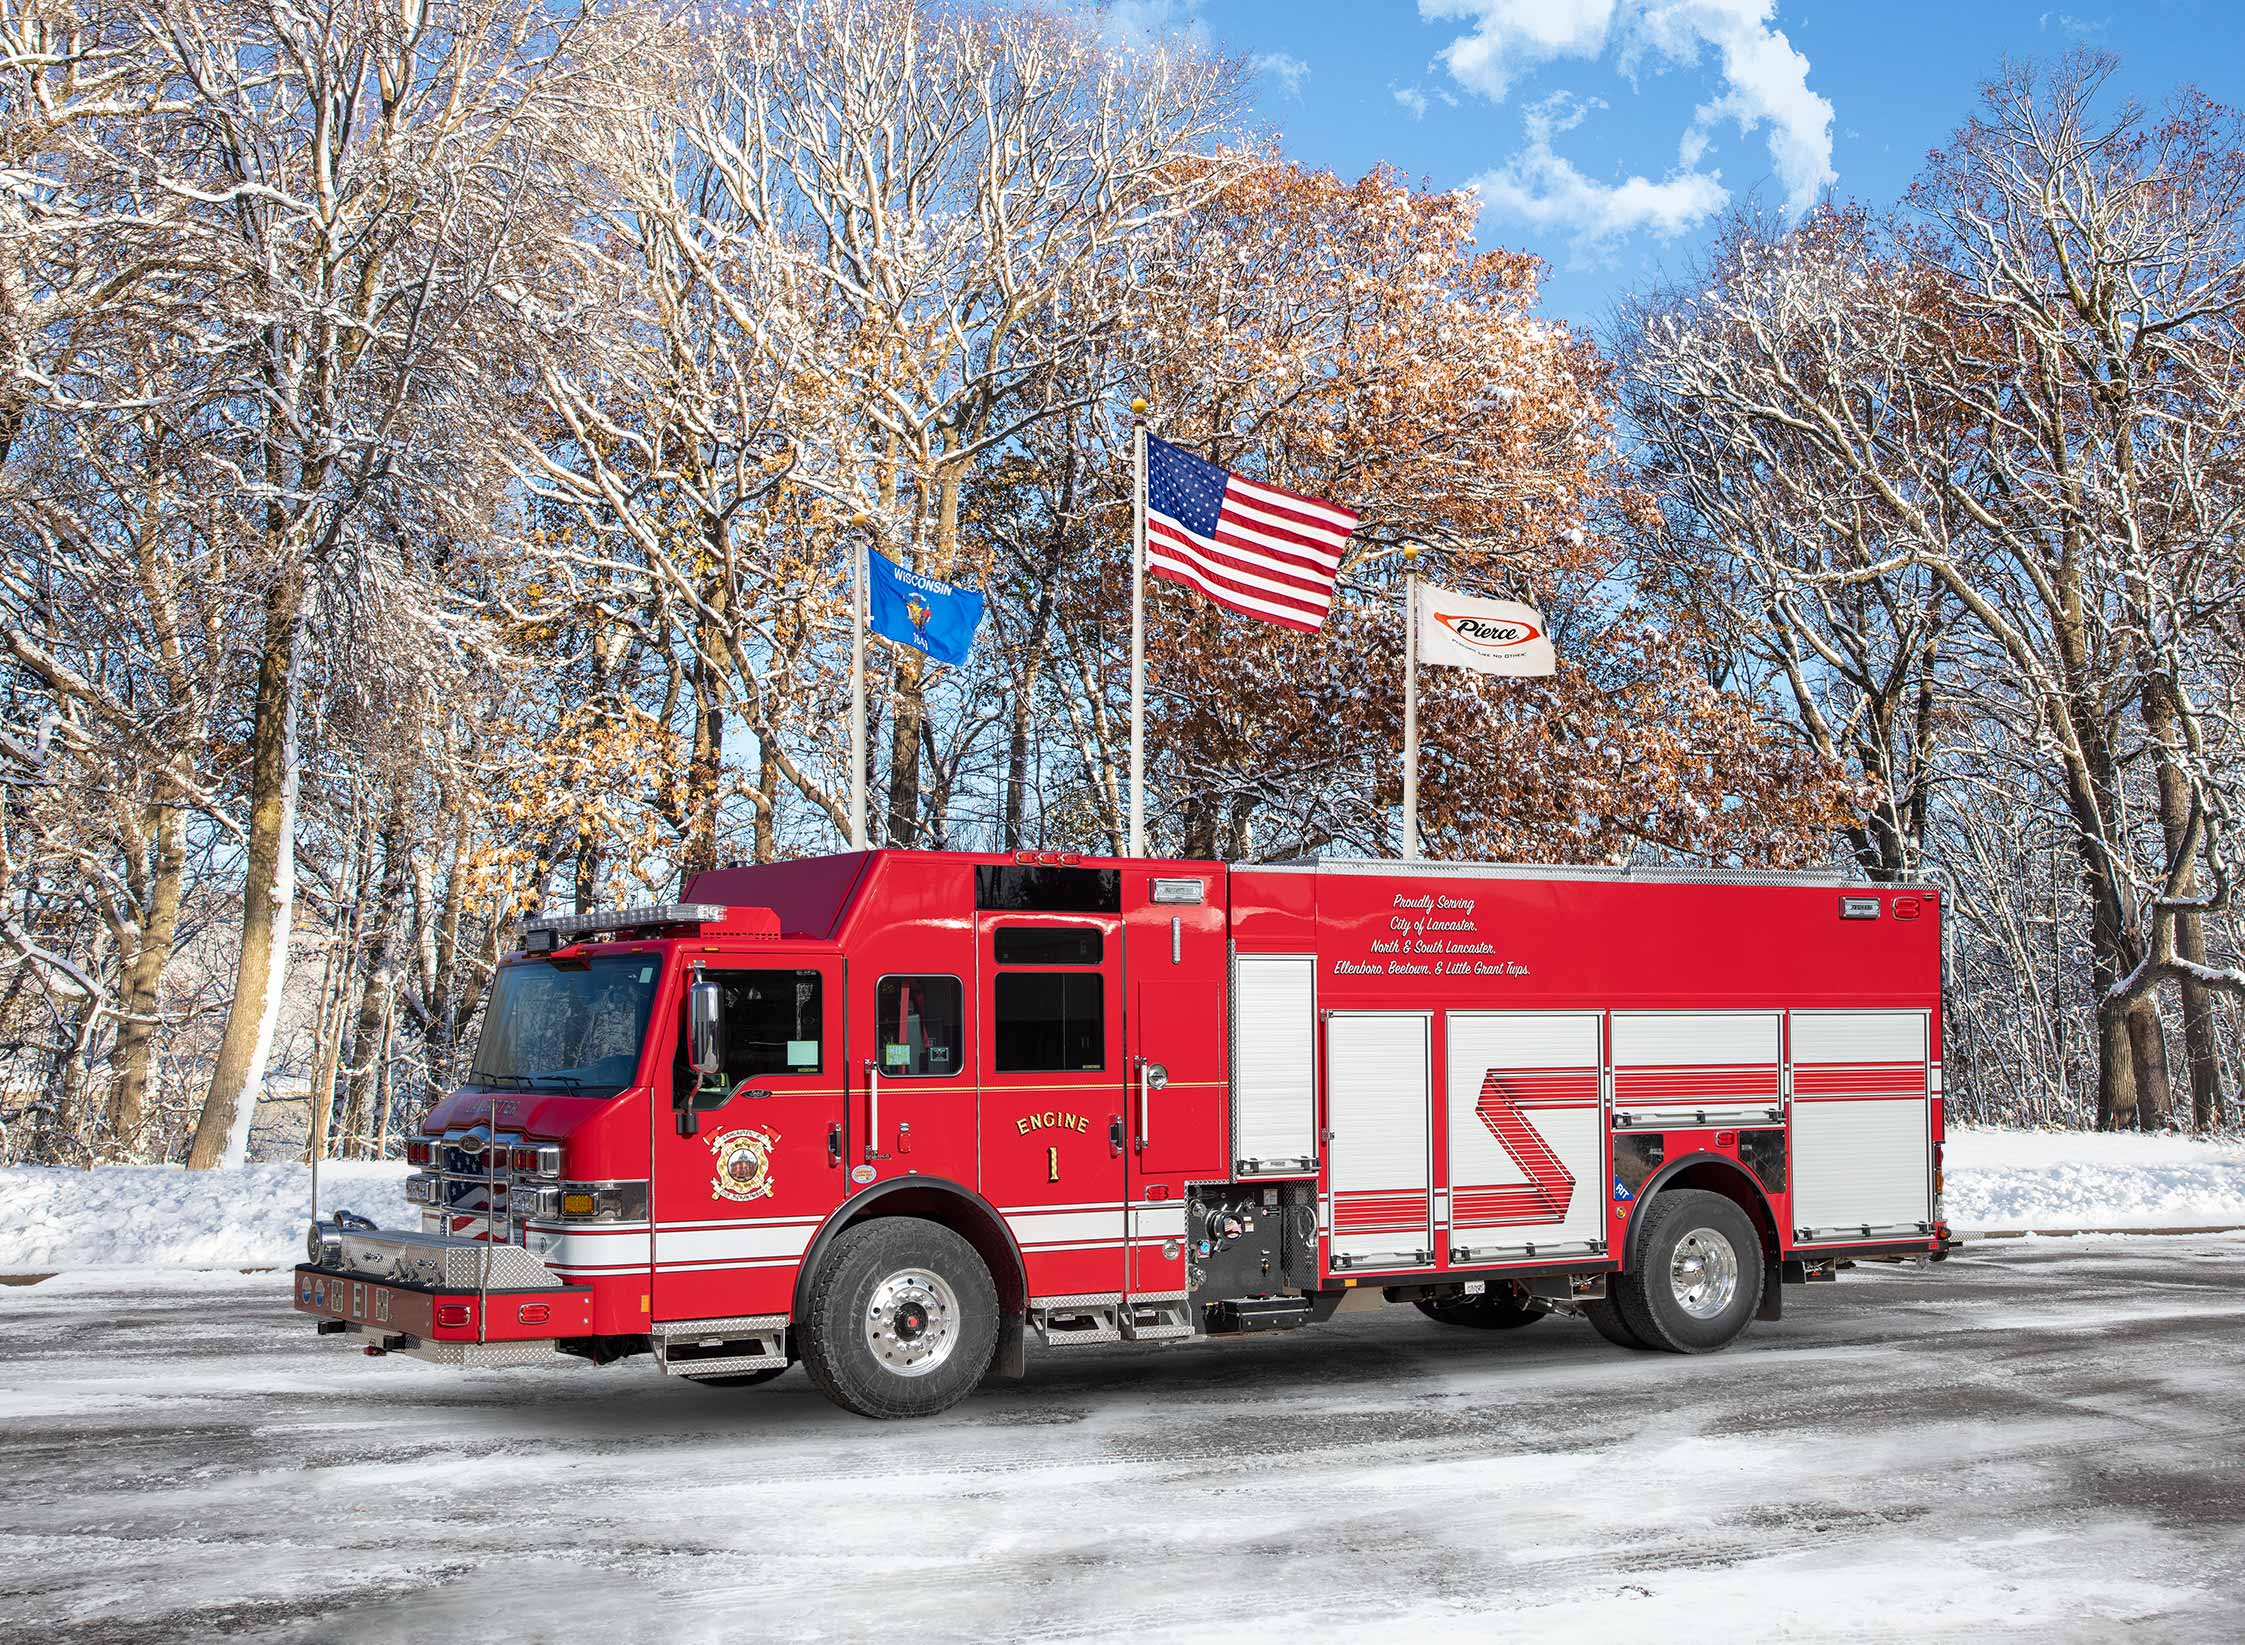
{"points": [[505, 1082], [569, 1081]]}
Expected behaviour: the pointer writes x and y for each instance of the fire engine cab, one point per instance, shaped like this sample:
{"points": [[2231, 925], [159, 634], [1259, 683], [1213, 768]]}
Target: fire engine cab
{"points": [[893, 1113]]}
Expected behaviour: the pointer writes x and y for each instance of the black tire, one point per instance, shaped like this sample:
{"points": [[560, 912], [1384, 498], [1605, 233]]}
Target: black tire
{"points": [[925, 1276], [1501, 1309], [1606, 1320], [1650, 1295], [744, 1379]]}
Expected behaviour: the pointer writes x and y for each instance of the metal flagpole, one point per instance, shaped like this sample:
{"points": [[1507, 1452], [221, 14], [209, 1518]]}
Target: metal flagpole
{"points": [[1410, 702], [1138, 629], [862, 524]]}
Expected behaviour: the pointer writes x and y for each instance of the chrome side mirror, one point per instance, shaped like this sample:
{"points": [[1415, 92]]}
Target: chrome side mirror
{"points": [[705, 1021]]}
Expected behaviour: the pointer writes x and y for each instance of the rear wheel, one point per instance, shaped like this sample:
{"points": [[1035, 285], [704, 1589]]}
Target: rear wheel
{"points": [[1605, 1318], [1500, 1309], [1697, 1282], [902, 1319]]}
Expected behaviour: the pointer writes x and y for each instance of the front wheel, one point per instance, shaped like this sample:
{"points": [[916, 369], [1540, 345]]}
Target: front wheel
{"points": [[902, 1321], [1697, 1282]]}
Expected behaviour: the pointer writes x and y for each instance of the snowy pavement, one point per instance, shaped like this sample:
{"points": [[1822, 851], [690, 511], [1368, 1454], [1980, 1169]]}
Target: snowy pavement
{"points": [[2035, 1441]]}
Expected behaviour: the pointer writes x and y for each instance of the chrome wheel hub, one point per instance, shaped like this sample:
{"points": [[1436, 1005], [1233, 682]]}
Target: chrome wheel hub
{"points": [[1703, 1273], [912, 1322]]}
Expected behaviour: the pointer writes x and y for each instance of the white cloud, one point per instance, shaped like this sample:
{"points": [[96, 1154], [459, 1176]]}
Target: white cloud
{"points": [[1413, 100], [1764, 82], [1541, 187], [2074, 28], [1284, 67]]}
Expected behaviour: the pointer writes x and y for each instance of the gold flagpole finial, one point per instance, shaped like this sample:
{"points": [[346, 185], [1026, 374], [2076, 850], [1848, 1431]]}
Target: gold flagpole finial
{"points": [[1138, 408]]}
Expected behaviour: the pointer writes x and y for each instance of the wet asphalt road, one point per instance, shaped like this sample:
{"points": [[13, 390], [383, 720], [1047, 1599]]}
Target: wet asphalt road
{"points": [[2037, 1441]]}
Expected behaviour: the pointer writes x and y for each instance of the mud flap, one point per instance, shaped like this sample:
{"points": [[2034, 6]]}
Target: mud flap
{"points": [[1773, 1290], [1011, 1361]]}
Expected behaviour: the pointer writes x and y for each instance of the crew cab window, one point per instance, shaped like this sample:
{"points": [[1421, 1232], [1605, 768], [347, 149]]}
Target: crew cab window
{"points": [[1049, 1022], [1046, 945], [919, 1026], [772, 1024]]}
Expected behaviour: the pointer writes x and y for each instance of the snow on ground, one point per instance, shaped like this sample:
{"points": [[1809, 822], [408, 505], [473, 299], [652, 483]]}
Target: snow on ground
{"points": [[140, 1215], [2029, 1444], [2091, 1179], [129, 1216]]}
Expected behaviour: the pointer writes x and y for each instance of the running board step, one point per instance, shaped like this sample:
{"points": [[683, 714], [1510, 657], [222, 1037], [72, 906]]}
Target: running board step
{"points": [[1237, 1315], [1070, 1322], [721, 1347], [1164, 1320]]}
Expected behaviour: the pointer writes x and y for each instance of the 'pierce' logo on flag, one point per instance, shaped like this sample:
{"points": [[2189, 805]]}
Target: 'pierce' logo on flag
{"points": [[1249, 547], [1487, 636]]}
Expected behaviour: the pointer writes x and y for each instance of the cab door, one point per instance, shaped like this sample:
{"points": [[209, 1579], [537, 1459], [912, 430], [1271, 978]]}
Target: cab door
{"points": [[736, 1200], [1054, 1074]]}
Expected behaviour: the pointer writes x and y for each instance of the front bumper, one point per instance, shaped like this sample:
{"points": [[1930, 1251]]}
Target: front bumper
{"points": [[445, 1324]]}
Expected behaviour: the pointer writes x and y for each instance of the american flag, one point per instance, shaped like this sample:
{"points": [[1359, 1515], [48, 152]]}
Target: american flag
{"points": [[1260, 551]]}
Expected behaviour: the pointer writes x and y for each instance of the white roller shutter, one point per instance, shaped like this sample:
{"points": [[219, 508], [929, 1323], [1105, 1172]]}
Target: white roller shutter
{"points": [[1862, 1124], [1382, 1168], [1274, 1062]]}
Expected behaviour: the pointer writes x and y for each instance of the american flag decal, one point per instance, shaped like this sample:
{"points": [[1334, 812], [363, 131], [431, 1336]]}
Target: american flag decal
{"points": [[1249, 547]]}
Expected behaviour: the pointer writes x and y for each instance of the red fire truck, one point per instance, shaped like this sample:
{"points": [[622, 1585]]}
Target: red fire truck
{"points": [[893, 1113]]}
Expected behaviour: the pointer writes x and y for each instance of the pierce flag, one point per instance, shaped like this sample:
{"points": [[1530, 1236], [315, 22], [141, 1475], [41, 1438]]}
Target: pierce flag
{"points": [[1488, 636]]}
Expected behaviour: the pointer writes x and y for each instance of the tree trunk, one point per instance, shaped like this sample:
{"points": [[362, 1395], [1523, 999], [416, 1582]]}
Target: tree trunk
{"points": [[2147, 1046], [2202, 1044], [134, 1056], [705, 769], [2116, 1080], [904, 747], [2201, 1047], [370, 1036], [335, 1000], [766, 842], [268, 888]]}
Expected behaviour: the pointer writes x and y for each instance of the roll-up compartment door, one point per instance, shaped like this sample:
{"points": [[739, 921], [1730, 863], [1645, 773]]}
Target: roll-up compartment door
{"points": [[1527, 1133], [1377, 1067], [1675, 1068], [1862, 1126], [1274, 1064]]}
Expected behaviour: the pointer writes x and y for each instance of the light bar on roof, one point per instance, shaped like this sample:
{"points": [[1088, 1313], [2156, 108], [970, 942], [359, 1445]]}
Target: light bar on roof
{"points": [[624, 919]]}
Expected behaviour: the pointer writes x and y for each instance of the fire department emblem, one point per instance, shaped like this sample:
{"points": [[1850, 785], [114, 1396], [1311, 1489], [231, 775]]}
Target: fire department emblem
{"points": [[744, 1164]]}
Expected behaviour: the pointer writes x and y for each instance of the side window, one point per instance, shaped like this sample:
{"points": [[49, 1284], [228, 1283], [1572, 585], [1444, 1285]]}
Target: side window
{"points": [[1049, 1022], [1046, 944], [919, 1026], [772, 1024]]}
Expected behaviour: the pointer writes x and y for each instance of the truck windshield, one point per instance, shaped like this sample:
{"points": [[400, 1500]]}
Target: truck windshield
{"points": [[573, 1025]]}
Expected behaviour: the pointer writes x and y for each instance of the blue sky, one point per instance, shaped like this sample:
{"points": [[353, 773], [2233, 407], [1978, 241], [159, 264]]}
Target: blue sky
{"points": [[1604, 133]]}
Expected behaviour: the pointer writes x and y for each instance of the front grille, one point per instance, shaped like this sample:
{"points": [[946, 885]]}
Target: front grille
{"points": [[473, 1192]]}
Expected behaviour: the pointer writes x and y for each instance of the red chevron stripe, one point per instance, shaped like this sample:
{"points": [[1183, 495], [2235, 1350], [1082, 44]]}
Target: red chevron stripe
{"points": [[1550, 1187]]}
